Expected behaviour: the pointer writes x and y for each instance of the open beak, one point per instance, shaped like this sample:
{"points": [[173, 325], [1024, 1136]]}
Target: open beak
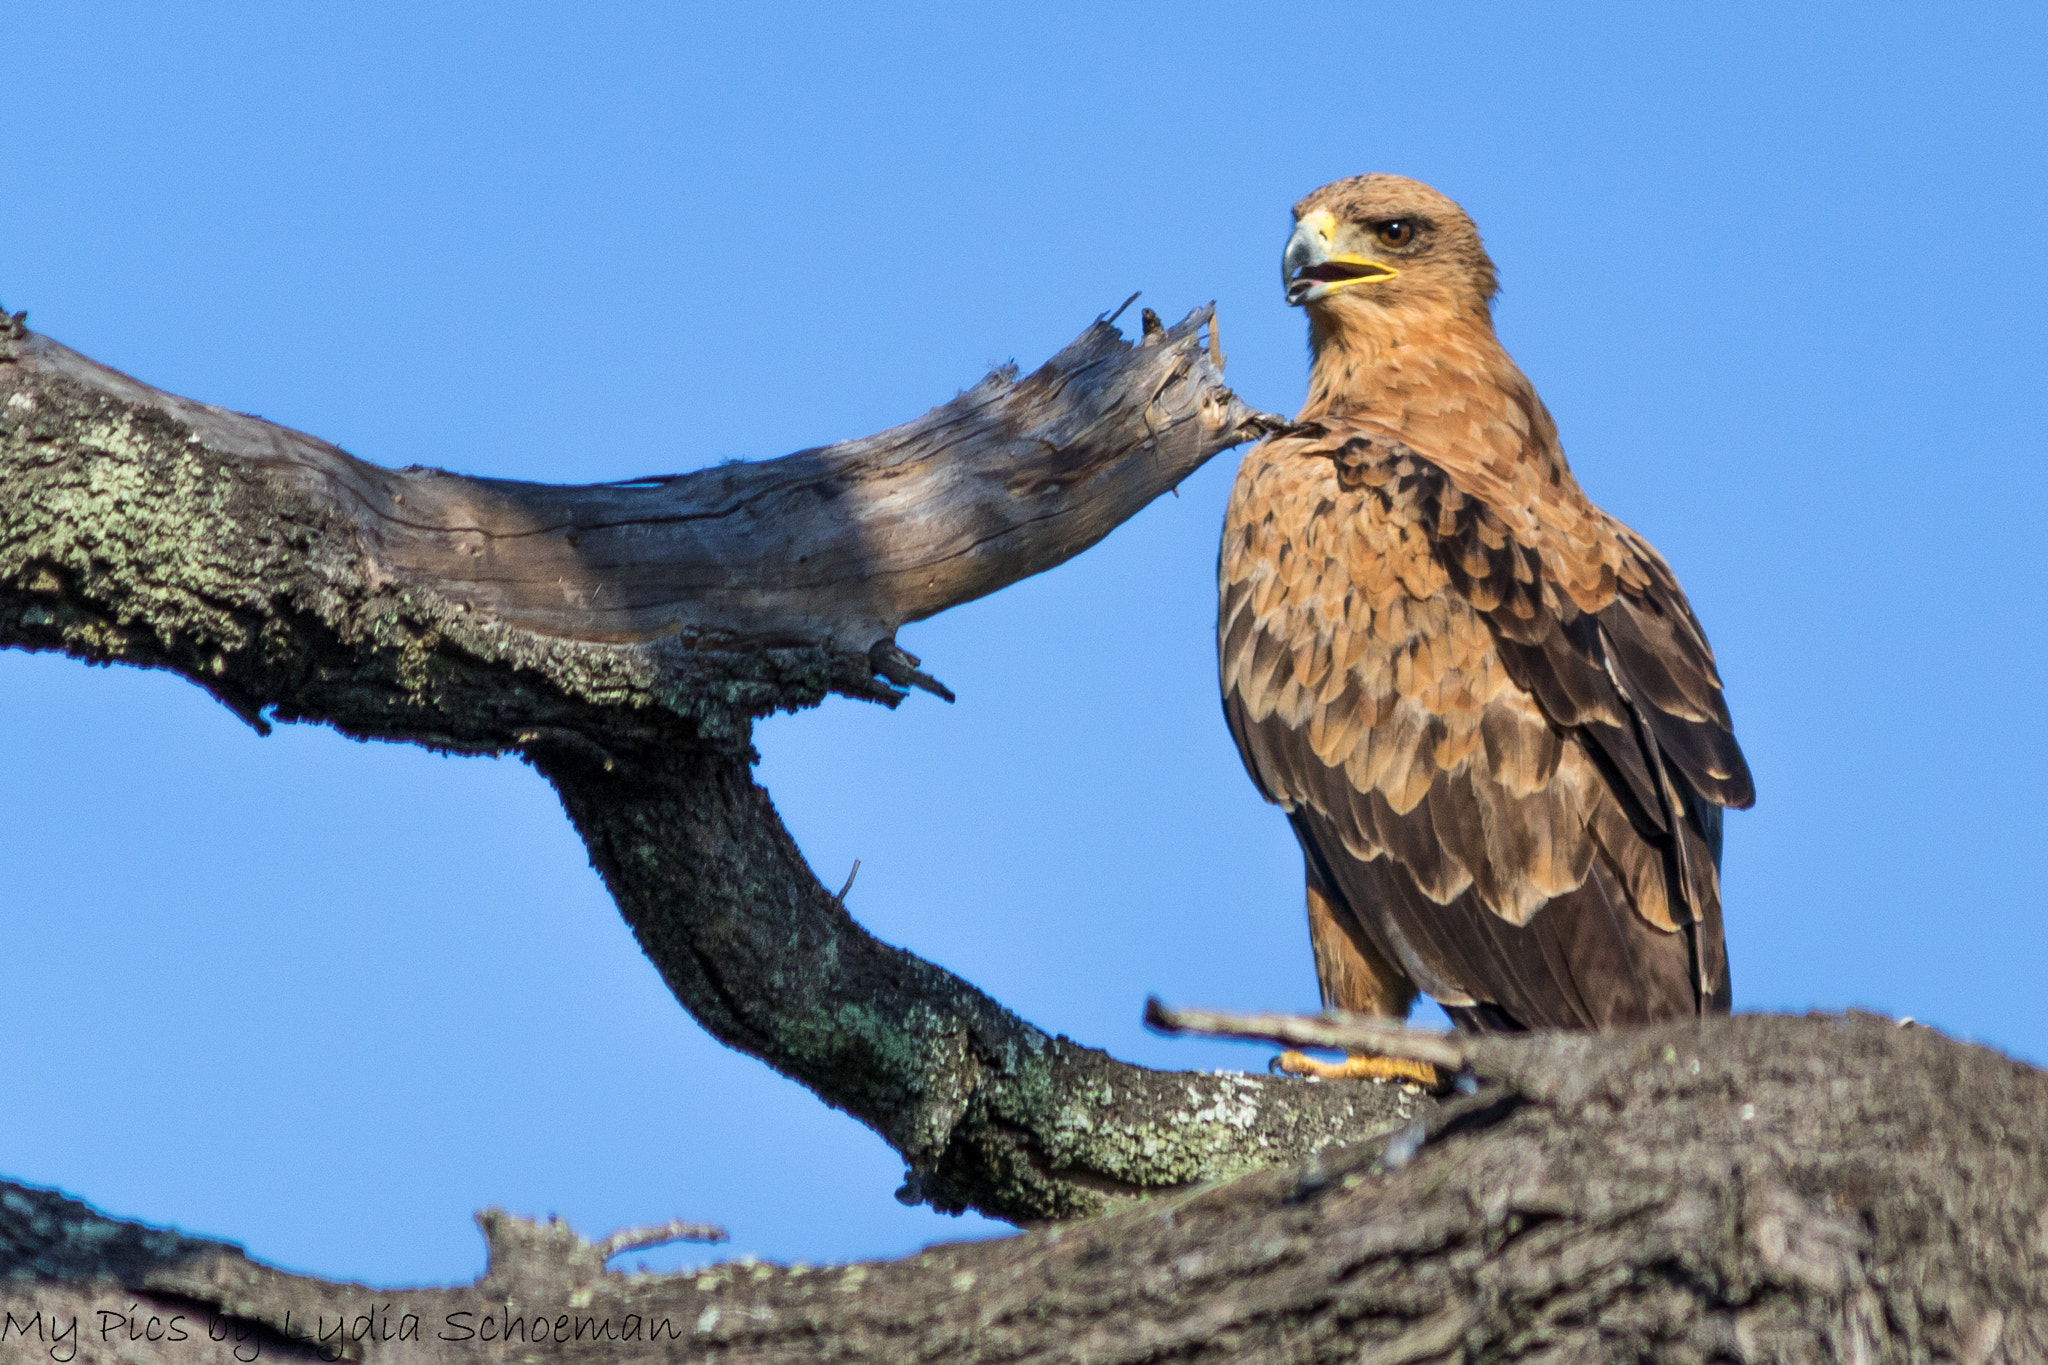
{"points": [[1310, 270]]}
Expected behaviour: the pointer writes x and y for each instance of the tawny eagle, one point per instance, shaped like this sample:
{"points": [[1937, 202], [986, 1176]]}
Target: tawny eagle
{"points": [[1485, 704]]}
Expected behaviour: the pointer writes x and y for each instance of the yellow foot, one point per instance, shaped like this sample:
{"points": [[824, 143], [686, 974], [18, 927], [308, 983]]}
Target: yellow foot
{"points": [[1358, 1068]]}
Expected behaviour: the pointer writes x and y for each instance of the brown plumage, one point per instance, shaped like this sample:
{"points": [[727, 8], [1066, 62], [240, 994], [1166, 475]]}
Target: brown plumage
{"points": [[1492, 718]]}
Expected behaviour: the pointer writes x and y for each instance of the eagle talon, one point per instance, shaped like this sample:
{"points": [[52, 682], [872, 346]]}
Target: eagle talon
{"points": [[1357, 1067]]}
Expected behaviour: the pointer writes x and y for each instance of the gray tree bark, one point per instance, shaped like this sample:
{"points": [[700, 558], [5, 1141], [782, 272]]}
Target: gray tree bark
{"points": [[1756, 1190]]}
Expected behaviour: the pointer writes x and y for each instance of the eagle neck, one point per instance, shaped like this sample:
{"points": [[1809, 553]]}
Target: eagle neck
{"points": [[1443, 383]]}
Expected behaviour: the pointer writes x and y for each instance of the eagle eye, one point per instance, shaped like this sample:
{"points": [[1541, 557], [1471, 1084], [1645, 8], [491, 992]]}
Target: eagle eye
{"points": [[1395, 232]]}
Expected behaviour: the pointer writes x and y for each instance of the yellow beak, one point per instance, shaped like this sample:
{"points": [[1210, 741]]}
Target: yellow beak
{"points": [[1310, 270]]}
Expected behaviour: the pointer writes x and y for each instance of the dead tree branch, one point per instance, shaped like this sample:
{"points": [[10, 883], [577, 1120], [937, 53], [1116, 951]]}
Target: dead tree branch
{"points": [[622, 637], [1332, 1029], [1755, 1189]]}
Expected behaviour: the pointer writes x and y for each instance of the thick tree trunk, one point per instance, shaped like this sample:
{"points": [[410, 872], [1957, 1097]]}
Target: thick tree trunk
{"points": [[1755, 1189], [623, 637]]}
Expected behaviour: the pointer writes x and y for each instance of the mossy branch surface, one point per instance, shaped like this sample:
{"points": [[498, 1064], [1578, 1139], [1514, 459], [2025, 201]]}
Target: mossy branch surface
{"points": [[623, 637]]}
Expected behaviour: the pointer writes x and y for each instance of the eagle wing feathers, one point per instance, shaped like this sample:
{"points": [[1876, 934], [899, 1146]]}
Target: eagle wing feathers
{"points": [[1494, 720]]}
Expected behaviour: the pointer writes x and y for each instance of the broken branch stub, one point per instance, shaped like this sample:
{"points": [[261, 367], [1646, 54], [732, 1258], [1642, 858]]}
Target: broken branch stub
{"points": [[830, 550]]}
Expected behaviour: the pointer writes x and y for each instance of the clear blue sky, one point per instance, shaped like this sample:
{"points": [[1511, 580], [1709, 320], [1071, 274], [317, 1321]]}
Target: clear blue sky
{"points": [[1777, 270]]}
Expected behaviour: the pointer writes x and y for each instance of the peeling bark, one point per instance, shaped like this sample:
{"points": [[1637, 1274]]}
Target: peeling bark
{"points": [[623, 637], [1753, 1189]]}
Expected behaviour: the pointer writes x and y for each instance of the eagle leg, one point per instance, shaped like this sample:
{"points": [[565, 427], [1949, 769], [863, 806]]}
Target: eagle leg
{"points": [[1353, 975], [1357, 978]]}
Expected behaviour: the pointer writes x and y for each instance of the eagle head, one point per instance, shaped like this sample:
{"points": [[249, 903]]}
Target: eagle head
{"points": [[1380, 242]]}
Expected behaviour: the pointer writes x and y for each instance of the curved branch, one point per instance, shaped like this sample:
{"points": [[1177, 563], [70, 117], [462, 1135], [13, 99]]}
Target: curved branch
{"points": [[622, 637], [987, 1112]]}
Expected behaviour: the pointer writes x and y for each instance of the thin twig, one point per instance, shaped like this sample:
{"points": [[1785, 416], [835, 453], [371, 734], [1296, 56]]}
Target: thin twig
{"points": [[639, 1239], [1111, 318], [1331, 1029], [899, 666], [841, 897]]}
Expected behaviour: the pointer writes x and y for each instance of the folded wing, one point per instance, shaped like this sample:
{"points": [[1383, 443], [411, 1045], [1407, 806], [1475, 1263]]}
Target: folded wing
{"points": [[1495, 723]]}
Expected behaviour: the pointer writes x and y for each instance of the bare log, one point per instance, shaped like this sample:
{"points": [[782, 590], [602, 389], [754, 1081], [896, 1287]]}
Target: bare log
{"points": [[622, 637], [1816, 1190]]}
